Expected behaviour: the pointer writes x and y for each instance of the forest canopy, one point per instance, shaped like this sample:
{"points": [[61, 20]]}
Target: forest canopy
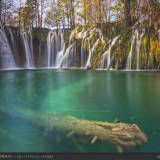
{"points": [[68, 13]]}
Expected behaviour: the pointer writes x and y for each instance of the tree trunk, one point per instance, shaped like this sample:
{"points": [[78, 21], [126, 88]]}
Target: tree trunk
{"points": [[121, 135], [0, 11], [41, 16], [127, 12]]}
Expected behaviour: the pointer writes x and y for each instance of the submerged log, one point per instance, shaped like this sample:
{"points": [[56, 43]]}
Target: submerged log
{"points": [[122, 135]]}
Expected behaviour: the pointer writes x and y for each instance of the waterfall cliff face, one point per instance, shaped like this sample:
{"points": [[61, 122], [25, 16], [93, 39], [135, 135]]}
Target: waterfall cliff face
{"points": [[29, 50], [85, 48]]}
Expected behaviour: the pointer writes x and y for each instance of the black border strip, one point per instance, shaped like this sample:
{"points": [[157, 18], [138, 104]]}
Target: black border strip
{"points": [[79, 156]]}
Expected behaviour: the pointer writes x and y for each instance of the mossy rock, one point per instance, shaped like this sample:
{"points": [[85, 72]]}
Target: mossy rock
{"points": [[100, 49], [125, 34]]}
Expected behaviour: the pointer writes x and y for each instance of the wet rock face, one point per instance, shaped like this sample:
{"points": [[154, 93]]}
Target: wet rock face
{"points": [[39, 36], [13, 48]]}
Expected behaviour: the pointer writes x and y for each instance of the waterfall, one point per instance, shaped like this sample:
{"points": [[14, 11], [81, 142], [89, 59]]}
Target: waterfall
{"points": [[69, 59], [62, 44], [83, 53], [52, 46], [129, 59], [138, 47], [55, 48], [49, 42], [12, 41], [28, 48], [83, 49], [107, 55], [7, 60], [91, 51], [136, 37], [59, 58]]}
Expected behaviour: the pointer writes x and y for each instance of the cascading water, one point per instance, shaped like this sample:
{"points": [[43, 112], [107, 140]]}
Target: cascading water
{"points": [[55, 48], [12, 41], [59, 58], [62, 44], [138, 47], [49, 43], [83, 53], [13, 45], [107, 55], [7, 60], [57, 55], [91, 51], [27, 42], [136, 39], [129, 59], [69, 58], [52, 47]]}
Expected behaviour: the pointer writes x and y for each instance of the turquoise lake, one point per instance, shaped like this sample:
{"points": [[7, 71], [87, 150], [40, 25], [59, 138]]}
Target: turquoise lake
{"points": [[130, 97]]}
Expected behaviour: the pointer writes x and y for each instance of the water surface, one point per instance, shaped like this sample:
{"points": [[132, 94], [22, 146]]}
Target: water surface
{"points": [[131, 97]]}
